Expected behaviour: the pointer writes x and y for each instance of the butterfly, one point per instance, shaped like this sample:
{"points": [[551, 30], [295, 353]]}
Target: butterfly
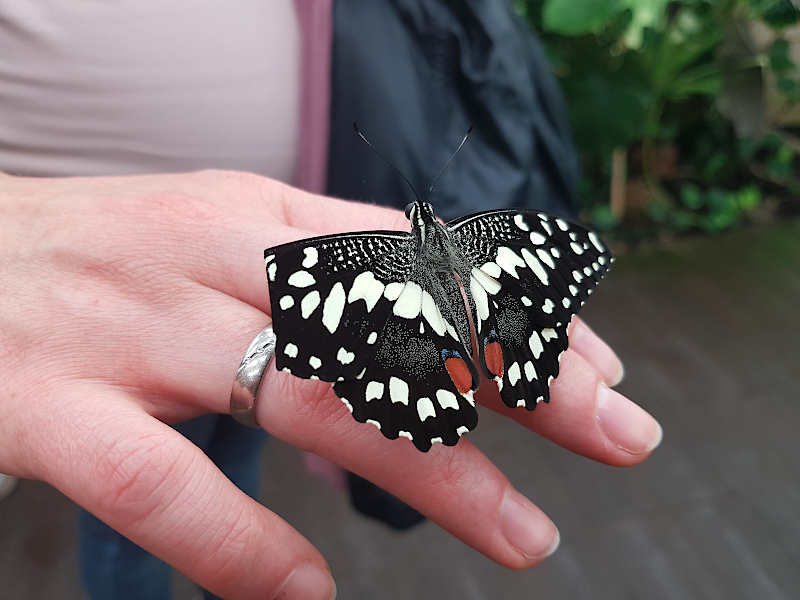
{"points": [[382, 314]]}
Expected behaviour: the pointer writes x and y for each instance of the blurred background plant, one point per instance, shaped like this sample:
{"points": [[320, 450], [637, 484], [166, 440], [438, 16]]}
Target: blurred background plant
{"points": [[686, 113]]}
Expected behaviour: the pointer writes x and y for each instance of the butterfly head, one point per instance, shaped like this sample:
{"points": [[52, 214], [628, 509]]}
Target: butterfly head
{"points": [[420, 213]]}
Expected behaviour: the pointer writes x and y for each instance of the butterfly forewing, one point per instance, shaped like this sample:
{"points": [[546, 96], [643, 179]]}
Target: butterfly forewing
{"points": [[330, 300]]}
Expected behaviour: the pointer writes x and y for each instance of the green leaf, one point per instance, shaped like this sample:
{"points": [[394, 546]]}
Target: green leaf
{"points": [[717, 163], [779, 56], [781, 13], [789, 88], [607, 109], [749, 198], [578, 17], [692, 197], [645, 15], [780, 167], [602, 218]]}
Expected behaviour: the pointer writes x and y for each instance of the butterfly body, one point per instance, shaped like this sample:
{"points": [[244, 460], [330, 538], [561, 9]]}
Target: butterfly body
{"points": [[382, 316]]}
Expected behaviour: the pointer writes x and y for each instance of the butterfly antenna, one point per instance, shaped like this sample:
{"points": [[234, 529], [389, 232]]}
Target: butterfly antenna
{"points": [[388, 162], [448, 162]]}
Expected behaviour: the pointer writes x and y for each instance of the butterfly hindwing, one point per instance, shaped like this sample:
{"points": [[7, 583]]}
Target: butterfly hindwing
{"points": [[530, 274], [420, 382]]}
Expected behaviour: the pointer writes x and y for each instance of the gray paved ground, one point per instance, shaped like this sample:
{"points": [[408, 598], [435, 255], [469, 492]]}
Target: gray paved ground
{"points": [[709, 331]]}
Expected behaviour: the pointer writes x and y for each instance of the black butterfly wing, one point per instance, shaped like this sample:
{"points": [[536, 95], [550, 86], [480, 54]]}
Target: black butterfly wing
{"points": [[355, 310], [421, 381], [329, 299], [530, 273]]}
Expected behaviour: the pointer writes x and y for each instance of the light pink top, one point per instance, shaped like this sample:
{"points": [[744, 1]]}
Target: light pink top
{"points": [[146, 86]]}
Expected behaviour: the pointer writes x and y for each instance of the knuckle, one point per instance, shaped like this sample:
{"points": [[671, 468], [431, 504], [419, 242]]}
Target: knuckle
{"points": [[136, 477]]}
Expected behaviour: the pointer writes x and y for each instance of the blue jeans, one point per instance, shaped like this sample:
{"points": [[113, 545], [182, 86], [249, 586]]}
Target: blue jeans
{"points": [[114, 568]]}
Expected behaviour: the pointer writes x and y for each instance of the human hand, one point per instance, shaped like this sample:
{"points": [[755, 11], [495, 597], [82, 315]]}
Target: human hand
{"points": [[127, 303]]}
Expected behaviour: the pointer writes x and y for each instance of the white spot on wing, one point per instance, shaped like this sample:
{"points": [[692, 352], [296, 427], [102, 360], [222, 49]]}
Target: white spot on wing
{"points": [[521, 403], [345, 357], [393, 291], [290, 350], [549, 334], [535, 344], [333, 308], [545, 258], [492, 269], [301, 279], [367, 288], [514, 374], [535, 266], [286, 302], [537, 238], [562, 224], [519, 221], [409, 303], [462, 430], [508, 260], [312, 257], [372, 338], [272, 270], [398, 390], [314, 362], [374, 391], [309, 303], [373, 422], [432, 315], [425, 409], [405, 434], [526, 301], [548, 306], [530, 371], [596, 242], [470, 397], [481, 299], [446, 399], [492, 286]]}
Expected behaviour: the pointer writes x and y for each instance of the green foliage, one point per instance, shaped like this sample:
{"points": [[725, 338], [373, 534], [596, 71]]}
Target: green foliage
{"points": [[643, 73], [786, 72], [711, 210]]}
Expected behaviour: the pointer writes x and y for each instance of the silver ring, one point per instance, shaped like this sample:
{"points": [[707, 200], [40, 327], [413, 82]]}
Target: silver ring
{"points": [[249, 375]]}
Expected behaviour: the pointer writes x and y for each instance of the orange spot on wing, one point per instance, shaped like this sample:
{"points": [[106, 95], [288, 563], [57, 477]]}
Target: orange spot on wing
{"points": [[460, 374], [493, 354]]}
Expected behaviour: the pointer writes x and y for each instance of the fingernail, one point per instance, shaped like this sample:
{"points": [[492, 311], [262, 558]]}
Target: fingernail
{"points": [[626, 425], [309, 582], [527, 528], [599, 354]]}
